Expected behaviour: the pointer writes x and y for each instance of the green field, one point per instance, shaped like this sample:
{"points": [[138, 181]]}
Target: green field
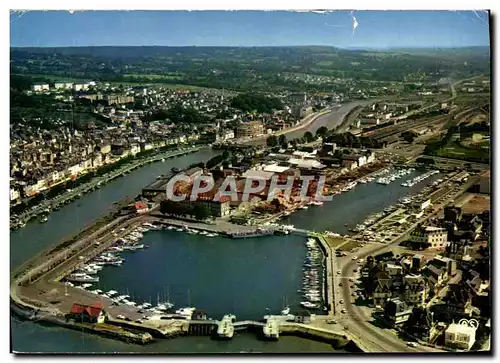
{"points": [[152, 76], [53, 78], [456, 151]]}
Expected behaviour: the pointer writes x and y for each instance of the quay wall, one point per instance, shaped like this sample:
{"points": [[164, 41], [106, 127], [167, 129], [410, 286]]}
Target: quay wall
{"points": [[327, 285], [338, 340], [104, 330]]}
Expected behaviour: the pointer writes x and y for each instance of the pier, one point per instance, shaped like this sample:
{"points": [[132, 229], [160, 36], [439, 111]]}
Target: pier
{"points": [[226, 327], [271, 329]]}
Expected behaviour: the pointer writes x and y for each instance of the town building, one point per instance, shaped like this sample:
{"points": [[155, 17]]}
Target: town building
{"points": [[80, 87], [382, 291], [250, 129], [62, 85], [484, 182], [396, 311], [305, 111], [414, 290], [40, 87], [460, 336]]}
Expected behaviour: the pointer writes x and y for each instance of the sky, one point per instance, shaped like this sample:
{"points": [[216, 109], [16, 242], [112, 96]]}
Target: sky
{"points": [[375, 29]]}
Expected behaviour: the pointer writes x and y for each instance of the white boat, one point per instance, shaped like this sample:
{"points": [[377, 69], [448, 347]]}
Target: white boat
{"points": [[82, 278], [133, 247], [258, 233], [188, 311], [308, 304]]}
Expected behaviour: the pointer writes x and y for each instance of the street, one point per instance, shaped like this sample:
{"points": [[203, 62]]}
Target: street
{"points": [[357, 318]]}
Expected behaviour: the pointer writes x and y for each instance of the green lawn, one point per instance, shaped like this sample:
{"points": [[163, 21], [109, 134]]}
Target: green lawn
{"points": [[454, 150], [334, 242]]}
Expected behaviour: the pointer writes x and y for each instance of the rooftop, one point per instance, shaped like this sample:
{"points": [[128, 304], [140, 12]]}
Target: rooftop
{"points": [[273, 168], [258, 174], [460, 328], [434, 229]]}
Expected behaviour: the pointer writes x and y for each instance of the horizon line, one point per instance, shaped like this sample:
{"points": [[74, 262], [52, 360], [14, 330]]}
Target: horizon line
{"points": [[258, 46]]}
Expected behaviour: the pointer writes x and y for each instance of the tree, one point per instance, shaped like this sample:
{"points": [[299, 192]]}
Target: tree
{"points": [[200, 212], [272, 141], [167, 207], [282, 140], [308, 136], [322, 131]]}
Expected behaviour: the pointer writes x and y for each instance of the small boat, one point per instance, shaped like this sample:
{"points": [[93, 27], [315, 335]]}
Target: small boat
{"points": [[285, 311]]}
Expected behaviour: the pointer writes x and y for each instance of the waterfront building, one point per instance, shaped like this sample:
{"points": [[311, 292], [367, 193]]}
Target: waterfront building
{"points": [[215, 207], [460, 336], [88, 314], [430, 236]]}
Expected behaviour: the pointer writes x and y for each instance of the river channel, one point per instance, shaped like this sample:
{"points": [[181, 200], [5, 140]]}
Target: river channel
{"points": [[246, 276], [330, 120]]}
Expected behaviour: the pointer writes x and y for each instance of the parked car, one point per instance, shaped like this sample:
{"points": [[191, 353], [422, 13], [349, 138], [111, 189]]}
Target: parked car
{"points": [[412, 344], [331, 321], [121, 317]]}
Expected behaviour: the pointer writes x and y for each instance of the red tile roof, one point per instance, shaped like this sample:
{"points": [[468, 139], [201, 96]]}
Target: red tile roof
{"points": [[141, 205], [93, 310]]}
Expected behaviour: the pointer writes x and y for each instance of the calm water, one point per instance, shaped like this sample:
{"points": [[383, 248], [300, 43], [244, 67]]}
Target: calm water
{"points": [[26, 242], [353, 207], [223, 275], [30, 337], [243, 276]]}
